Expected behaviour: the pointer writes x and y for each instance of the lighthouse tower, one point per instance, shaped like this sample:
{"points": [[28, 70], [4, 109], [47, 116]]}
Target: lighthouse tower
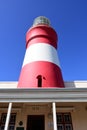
{"points": [[41, 66]]}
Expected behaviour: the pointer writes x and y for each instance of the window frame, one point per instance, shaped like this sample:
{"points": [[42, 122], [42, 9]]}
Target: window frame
{"points": [[11, 124], [63, 122]]}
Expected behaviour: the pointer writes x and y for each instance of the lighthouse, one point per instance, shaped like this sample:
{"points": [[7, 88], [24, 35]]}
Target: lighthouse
{"points": [[41, 67]]}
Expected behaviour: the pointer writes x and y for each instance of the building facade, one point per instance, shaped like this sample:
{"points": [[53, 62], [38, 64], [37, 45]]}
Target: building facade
{"points": [[36, 108]]}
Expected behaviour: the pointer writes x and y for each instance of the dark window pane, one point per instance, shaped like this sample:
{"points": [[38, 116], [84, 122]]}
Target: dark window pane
{"points": [[2, 127], [12, 119], [68, 127], [3, 118], [67, 118], [59, 118], [60, 127], [11, 127]]}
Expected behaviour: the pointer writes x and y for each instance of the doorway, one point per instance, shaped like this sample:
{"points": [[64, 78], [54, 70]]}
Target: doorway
{"points": [[39, 81], [35, 122]]}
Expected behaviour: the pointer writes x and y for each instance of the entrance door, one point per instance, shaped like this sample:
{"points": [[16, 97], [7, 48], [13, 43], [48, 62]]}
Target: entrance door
{"points": [[35, 122]]}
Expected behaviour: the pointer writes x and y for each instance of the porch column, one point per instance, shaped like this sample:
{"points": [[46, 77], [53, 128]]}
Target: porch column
{"points": [[8, 116], [54, 116]]}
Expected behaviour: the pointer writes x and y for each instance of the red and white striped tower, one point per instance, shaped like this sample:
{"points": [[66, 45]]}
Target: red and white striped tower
{"points": [[41, 66]]}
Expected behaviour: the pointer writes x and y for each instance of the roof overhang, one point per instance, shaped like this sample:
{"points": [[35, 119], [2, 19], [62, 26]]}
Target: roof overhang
{"points": [[44, 95]]}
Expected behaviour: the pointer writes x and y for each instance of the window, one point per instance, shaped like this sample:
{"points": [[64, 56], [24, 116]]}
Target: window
{"points": [[11, 123], [39, 81], [64, 121]]}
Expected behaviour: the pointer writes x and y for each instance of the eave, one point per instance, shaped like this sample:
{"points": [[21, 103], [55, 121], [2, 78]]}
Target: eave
{"points": [[44, 95]]}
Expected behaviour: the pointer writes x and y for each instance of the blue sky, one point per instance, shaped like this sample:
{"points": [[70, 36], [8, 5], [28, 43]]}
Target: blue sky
{"points": [[68, 18]]}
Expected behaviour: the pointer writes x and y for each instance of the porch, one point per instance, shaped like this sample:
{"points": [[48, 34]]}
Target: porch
{"points": [[49, 106]]}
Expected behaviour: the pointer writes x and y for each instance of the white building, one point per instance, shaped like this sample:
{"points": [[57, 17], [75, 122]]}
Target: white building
{"points": [[37, 108]]}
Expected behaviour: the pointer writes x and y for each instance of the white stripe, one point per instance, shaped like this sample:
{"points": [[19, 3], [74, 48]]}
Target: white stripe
{"points": [[41, 52]]}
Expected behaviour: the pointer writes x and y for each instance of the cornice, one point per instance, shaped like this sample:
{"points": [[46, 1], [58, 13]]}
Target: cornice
{"points": [[44, 95]]}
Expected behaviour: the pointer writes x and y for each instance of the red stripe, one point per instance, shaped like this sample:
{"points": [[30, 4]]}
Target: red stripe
{"points": [[51, 75], [41, 33]]}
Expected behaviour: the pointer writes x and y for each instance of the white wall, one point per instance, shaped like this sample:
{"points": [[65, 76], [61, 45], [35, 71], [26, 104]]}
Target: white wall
{"points": [[68, 84]]}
